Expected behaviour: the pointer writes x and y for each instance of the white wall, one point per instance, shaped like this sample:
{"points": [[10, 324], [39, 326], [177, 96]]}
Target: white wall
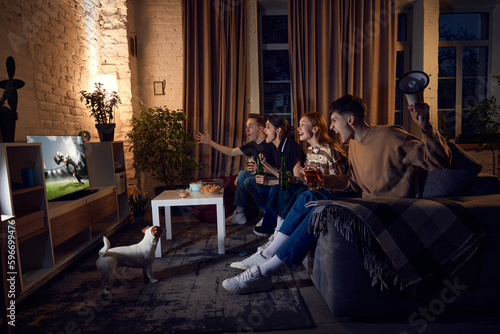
{"points": [[160, 48]]}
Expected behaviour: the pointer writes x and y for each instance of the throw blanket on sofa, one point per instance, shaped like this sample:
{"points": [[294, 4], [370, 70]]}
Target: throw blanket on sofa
{"points": [[415, 237]]}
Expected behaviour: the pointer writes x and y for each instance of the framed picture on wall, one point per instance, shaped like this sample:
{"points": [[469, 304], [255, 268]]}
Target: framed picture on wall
{"points": [[159, 87]]}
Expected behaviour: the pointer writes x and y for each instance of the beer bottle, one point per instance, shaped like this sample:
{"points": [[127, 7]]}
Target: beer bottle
{"points": [[283, 176], [259, 170]]}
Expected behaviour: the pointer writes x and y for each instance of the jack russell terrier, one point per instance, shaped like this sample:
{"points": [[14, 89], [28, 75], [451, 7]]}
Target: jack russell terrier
{"points": [[141, 255]]}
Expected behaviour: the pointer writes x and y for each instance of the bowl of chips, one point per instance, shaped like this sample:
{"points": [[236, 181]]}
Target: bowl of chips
{"points": [[210, 186], [184, 192]]}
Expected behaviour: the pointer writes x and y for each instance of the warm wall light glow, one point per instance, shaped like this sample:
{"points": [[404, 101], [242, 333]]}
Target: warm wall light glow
{"points": [[109, 82], [90, 14]]}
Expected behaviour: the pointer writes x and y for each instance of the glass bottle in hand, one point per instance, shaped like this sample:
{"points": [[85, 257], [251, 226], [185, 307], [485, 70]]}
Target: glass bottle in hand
{"points": [[283, 175], [259, 170]]}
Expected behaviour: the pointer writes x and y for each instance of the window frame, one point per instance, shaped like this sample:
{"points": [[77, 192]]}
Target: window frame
{"points": [[405, 47], [459, 45], [270, 47]]}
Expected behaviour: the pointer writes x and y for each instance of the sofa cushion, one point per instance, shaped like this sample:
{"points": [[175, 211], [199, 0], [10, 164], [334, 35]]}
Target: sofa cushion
{"points": [[484, 184], [454, 180]]}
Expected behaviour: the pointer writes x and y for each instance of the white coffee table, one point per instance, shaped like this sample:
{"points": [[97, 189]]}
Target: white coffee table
{"points": [[170, 198]]}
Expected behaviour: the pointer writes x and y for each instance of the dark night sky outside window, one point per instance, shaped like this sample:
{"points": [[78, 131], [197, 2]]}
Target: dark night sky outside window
{"points": [[463, 69], [276, 66]]}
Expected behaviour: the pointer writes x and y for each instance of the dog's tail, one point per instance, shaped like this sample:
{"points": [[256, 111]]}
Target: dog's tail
{"points": [[106, 246]]}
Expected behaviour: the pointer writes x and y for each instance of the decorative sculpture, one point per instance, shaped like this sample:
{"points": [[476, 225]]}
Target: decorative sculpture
{"points": [[11, 85], [8, 116]]}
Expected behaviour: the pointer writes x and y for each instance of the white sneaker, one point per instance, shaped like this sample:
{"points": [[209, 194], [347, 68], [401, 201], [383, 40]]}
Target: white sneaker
{"points": [[268, 242], [249, 281], [253, 260], [237, 218]]}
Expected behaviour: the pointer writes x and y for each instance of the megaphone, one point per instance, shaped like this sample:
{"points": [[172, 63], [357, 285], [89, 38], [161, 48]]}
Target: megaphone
{"points": [[412, 84]]}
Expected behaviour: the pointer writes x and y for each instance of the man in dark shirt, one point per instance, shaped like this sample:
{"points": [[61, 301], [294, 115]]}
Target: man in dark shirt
{"points": [[245, 182]]}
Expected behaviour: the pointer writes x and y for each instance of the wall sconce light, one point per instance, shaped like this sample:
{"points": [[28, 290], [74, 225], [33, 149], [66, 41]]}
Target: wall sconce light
{"points": [[159, 87], [108, 81]]}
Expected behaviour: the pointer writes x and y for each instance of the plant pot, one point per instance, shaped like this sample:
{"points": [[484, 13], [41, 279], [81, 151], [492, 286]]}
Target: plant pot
{"points": [[8, 125], [106, 131], [138, 217]]}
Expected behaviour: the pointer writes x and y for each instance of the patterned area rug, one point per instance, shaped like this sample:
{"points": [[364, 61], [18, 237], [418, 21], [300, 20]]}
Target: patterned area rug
{"points": [[188, 298]]}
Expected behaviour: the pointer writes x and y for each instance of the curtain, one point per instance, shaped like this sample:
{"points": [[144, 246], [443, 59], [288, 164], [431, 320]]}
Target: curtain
{"points": [[340, 47], [215, 88]]}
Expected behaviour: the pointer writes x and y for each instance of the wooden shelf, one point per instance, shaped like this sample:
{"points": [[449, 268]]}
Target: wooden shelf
{"points": [[33, 276], [29, 222], [32, 235], [71, 247], [22, 191], [22, 216]]}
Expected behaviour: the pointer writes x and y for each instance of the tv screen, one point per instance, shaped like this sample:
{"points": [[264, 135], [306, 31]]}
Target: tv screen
{"points": [[64, 163]]}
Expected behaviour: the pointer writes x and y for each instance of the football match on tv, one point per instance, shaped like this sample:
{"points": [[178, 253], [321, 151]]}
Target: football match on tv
{"points": [[64, 163]]}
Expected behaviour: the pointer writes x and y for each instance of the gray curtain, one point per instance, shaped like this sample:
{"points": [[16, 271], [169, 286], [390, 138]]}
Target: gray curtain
{"points": [[342, 47], [215, 91]]}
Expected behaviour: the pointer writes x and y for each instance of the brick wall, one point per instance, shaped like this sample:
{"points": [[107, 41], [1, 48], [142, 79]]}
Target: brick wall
{"points": [[56, 49], [59, 47]]}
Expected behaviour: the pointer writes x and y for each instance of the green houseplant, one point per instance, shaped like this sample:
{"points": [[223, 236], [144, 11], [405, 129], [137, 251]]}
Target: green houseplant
{"points": [[137, 201], [486, 120], [101, 105], [161, 145]]}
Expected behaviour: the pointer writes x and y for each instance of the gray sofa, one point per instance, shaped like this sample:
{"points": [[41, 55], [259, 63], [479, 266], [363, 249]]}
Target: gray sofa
{"points": [[343, 269]]}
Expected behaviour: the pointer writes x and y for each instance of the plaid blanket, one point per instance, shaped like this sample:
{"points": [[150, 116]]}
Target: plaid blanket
{"points": [[415, 238]]}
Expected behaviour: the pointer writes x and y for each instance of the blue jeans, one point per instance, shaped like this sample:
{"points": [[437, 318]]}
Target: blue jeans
{"points": [[279, 203], [270, 217], [300, 241], [245, 185]]}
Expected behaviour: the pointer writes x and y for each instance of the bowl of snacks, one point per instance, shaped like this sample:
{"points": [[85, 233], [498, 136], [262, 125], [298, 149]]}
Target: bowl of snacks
{"points": [[210, 186], [194, 186], [183, 192]]}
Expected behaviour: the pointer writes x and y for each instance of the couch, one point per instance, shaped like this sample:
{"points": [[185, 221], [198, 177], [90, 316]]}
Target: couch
{"points": [[358, 272]]}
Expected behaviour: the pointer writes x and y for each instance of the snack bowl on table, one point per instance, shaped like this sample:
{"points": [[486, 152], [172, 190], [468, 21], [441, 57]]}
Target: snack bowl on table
{"points": [[183, 192], [210, 186], [194, 186]]}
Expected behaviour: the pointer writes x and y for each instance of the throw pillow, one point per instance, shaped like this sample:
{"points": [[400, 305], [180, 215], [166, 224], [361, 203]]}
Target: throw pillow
{"points": [[452, 181]]}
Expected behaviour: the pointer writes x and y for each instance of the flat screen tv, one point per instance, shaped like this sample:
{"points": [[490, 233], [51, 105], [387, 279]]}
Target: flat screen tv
{"points": [[66, 175]]}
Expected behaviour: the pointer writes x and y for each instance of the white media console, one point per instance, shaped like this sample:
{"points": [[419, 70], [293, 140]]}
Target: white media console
{"points": [[50, 235]]}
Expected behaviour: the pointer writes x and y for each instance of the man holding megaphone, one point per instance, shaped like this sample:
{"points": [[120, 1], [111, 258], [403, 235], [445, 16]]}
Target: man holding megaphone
{"points": [[412, 84], [385, 160]]}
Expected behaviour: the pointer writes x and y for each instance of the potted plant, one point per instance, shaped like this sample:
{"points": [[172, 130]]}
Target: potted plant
{"points": [[137, 202], [162, 146], [486, 121], [102, 104]]}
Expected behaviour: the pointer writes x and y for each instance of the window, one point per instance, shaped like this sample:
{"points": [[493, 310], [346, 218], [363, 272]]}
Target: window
{"points": [[463, 69], [275, 65], [402, 64]]}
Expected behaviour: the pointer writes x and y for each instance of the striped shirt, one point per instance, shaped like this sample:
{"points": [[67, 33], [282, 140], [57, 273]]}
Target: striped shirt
{"points": [[327, 159]]}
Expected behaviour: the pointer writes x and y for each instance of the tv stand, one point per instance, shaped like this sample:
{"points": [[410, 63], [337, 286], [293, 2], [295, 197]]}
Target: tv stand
{"points": [[51, 235]]}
